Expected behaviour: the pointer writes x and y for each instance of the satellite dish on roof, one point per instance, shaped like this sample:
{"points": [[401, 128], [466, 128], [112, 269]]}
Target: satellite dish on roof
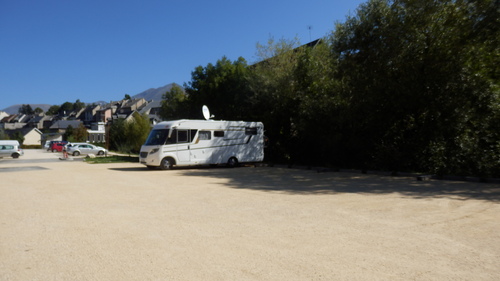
{"points": [[206, 112]]}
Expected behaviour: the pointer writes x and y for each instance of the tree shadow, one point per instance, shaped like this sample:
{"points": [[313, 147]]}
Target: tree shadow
{"points": [[296, 181]]}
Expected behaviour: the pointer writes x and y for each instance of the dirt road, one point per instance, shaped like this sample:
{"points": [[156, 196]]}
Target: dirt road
{"points": [[69, 220]]}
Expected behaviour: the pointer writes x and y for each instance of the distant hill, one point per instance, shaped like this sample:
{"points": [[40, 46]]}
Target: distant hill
{"points": [[150, 94], [155, 93], [13, 109]]}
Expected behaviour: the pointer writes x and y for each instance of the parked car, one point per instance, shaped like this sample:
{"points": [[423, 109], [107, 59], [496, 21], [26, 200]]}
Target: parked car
{"points": [[57, 146], [48, 144], [74, 144], [85, 149], [10, 148]]}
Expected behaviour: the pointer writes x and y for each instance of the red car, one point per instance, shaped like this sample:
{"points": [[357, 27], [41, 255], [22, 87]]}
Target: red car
{"points": [[57, 146]]}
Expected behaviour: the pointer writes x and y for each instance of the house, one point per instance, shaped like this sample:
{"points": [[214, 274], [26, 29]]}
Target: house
{"points": [[131, 105], [89, 114], [103, 115], [13, 122], [61, 126], [8, 118], [97, 133], [73, 115], [39, 122], [32, 136], [3, 114], [152, 109]]}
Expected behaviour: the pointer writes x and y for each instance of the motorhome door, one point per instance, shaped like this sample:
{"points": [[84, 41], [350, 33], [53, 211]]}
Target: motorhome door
{"points": [[183, 149]]}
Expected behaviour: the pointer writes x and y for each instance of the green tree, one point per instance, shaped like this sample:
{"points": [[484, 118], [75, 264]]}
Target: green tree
{"points": [[67, 136], [65, 108], [3, 135], [78, 105], [129, 135], [172, 105], [38, 110], [117, 137], [18, 136], [318, 116], [79, 134], [136, 131], [421, 84], [26, 109], [223, 87], [127, 97], [277, 96], [53, 110]]}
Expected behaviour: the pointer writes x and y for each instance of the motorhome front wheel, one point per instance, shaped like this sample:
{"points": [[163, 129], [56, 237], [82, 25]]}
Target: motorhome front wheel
{"points": [[166, 163]]}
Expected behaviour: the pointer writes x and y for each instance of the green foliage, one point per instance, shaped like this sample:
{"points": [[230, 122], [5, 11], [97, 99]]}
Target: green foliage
{"points": [[223, 87], [78, 105], [116, 135], [137, 131], [112, 159], [278, 94], [67, 136], [3, 135], [79, 134], [18, 136], [38, 110], [129, 135], [65, 108], [172, 104], [26, 109], [53, 110], [417, 94]]}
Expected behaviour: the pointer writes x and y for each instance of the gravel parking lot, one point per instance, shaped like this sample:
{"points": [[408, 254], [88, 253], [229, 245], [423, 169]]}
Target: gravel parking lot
{"points": [[69, 220]]}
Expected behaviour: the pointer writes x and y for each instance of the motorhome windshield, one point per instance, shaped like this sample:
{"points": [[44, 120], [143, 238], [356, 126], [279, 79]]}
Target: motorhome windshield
{"points": [[157, 137]]}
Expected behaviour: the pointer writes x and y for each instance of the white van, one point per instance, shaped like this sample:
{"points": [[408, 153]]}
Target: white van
{"points": [[10, 148], [200, 142]]}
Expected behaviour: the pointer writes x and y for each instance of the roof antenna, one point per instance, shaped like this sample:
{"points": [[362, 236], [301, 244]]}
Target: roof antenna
{"points": [[310, 28]]}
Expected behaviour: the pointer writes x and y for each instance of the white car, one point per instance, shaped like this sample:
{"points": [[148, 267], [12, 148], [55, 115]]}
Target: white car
{"points": [[74, 144], [77, 149], [10, 148]]}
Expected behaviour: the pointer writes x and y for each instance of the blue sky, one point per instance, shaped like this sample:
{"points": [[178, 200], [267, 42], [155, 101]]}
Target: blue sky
{"points": [[53, 51]]}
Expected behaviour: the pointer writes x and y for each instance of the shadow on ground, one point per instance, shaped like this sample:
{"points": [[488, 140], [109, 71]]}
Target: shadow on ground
{"points": [[296, 181]]}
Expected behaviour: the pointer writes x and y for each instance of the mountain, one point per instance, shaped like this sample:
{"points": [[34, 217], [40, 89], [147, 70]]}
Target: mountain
{"points": [[150, 94], [13, 109], [155, 93]]}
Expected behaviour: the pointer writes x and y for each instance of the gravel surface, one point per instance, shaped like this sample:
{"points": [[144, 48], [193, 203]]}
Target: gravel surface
{"points": [[70, 220]]}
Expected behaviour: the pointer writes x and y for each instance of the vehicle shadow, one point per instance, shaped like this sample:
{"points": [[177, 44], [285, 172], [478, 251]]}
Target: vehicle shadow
{"points": [[129, 169], [297, 181]]}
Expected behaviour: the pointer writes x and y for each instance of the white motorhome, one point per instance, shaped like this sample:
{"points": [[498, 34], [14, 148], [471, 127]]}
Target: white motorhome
{"points": [[200, 142]]}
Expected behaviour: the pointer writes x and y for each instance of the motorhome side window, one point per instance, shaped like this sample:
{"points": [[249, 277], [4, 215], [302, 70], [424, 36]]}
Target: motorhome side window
{"points": [[205, 135], [173, 137], [250, 130], [218, 133], [182, 136]]}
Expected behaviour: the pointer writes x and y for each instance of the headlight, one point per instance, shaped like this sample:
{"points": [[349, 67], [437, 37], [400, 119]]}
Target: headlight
{"points": [[154, 150]]}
